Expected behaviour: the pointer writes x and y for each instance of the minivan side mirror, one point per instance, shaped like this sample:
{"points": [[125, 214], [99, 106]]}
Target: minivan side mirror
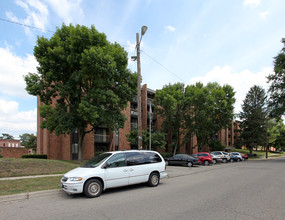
{"points": [[106, 165]]}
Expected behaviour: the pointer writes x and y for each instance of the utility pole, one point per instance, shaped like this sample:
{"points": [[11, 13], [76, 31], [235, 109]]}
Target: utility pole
{"points": [[139, 94], [150, 120], [143, 30]]}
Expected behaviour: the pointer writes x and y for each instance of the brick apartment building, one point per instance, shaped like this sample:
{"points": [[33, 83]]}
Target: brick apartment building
{"points": [[65, 147]]}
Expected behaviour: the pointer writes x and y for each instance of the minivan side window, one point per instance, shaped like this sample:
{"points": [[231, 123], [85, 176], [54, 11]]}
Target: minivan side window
{"points": [[135, 158], [151, 157], [118, 160]]}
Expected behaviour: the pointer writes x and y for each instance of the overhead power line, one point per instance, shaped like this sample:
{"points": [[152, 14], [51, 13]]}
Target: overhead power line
{"points": [[164, 67], [45, 30], [25, 25]]}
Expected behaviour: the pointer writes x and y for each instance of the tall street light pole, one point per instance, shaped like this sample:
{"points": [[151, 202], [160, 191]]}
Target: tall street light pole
{"points": [[143, 30]]}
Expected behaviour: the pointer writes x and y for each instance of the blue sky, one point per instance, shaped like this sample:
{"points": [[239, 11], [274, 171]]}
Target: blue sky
{"points": [[228, 41]]}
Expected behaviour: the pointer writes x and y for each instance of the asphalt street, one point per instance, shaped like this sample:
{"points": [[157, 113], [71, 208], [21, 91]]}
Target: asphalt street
{"points": [[244, 190]]}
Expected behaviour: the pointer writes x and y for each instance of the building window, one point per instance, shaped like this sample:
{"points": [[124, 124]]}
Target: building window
{"points": [[101, 135]]}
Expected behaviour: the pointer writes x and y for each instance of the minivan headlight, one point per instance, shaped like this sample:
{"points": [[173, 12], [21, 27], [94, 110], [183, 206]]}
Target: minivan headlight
{"points": [[75, 178]]}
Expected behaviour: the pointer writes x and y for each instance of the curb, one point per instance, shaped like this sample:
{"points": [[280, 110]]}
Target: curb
{"points": [[28, 195]]}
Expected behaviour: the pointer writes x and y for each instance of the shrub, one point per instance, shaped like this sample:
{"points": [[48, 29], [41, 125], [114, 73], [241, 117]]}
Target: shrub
{"points": [[35, 156], [166, 155], [216, 145], [99, 152], [1, 156]]}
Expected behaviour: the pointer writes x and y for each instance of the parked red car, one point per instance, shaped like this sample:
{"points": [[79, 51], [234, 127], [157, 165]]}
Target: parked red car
{"points": [[204, 157], [244, 156]]}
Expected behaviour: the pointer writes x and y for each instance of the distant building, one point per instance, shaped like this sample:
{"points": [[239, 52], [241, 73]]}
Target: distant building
{"points": [[10, 143]]}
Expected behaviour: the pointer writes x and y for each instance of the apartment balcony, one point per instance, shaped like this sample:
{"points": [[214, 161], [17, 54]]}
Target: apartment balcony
{"points": [[101, 138], [134, 126], [134, 112]]}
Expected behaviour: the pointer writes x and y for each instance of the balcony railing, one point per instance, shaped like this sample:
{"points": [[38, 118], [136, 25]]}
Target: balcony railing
{"points": [[134, 125], [134, 112], [101, 138]]}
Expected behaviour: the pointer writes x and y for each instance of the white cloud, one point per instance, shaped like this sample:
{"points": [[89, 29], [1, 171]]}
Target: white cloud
{"points": [[251, 3], [170, 28], [67, 10], [10, 107], [13, 68], [264, 15], [37, 14], [241, 82], [14, 122]]}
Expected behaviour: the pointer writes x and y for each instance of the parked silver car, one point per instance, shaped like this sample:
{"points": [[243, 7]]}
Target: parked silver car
{"points": [[220, 156], [238, 155]]}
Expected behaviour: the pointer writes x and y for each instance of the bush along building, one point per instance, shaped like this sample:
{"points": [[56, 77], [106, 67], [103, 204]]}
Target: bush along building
{"points": [[65, 147]]}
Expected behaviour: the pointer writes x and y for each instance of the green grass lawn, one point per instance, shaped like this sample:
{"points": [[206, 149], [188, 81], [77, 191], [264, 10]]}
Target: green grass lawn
{"points": [[11, 167]]}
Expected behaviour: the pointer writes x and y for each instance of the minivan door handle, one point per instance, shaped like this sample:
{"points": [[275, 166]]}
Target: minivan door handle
{"points": [[131, 169], [125, 170]]}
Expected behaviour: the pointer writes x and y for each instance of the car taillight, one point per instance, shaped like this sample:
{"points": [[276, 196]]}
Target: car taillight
{"points": [[165, 167]]}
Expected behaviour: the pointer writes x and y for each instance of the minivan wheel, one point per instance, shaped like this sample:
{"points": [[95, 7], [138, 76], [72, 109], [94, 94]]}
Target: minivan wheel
{"points": [[153, 179], [232, 160], [224, 160], [214, 161], [206, 163], [93, 188]]}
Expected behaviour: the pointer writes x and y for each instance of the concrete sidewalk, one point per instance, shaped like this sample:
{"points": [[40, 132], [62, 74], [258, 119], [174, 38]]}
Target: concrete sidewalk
{"points": [[27, 177]]}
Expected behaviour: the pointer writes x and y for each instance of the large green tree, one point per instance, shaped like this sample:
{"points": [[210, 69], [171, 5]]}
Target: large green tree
{"points": [[254, 118], [276, 131], [82, 81], [194, 110], [277, 85], [6, 136], [210, 108], [170, 102], [29, 141]]}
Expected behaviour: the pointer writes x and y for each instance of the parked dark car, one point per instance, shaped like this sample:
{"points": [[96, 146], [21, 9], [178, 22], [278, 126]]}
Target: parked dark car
{"points": [[182, 160], [234, 158], [204, 157]]}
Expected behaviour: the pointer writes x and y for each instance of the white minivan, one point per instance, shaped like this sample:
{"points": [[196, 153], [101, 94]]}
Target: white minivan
{"points": [[115, 169]]}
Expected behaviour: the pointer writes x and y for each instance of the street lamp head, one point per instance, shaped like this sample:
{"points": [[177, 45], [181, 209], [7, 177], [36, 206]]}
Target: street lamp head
{"points": [[143, 30], [133, 58]]}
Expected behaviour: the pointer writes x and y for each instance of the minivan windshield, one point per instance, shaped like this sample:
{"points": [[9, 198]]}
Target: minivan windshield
{"points": [[96, 161]]}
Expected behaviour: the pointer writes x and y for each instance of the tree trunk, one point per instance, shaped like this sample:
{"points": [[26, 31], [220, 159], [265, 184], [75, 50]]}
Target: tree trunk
{"points": [[250, 150], [81, 135], [169, 141], [177, 142]]}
